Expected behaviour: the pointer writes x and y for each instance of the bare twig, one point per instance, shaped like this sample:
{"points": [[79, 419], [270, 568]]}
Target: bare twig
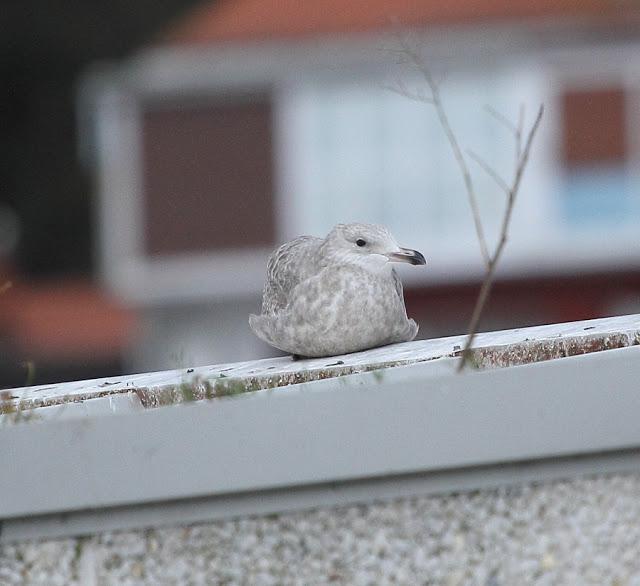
{"points": [[400, 89], [515, 129], [487, 284], [519, 132], [511, 191], [436, 101], [489, 170], [510, 126]]}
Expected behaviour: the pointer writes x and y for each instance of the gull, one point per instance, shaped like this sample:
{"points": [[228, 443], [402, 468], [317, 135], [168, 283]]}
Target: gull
{"points": [[336, 295]]}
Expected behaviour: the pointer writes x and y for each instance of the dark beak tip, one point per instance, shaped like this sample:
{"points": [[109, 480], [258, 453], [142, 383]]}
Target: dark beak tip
{"points": [[418, 259], [407, 255]]}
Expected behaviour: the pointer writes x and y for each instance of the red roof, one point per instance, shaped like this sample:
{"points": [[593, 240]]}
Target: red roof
{"points": [[243, 20], [64, 320]]}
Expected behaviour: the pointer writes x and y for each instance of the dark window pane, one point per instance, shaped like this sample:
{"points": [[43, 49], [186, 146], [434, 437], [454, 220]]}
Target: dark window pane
{"points": [[208, 177], [594, 127]]}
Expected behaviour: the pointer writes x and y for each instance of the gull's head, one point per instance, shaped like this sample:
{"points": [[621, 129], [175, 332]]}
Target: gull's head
{"points": [[369, 245]]}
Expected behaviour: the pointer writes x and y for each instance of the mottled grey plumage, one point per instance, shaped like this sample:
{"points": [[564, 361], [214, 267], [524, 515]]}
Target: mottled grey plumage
{"points": [[335, 295]]}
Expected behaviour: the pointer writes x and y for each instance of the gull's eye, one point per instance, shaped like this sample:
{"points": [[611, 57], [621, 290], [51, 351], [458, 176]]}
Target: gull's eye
{"points": [[360, 242]]}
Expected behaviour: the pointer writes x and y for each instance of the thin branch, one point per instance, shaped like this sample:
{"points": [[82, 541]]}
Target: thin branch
{"points": [[510, 126], [489, 170], [515, 129], [403, 91], [519, 132], [487, 284], [522, 164], [453, 143], [521, 160]]}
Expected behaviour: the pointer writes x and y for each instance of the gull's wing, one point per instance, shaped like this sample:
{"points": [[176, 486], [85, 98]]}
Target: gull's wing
{"points": [[398, 285], [289, 265], [412, 326]]}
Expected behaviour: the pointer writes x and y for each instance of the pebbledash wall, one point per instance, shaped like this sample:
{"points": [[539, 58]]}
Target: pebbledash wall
{"points": [[582, 531], [375, 468]]}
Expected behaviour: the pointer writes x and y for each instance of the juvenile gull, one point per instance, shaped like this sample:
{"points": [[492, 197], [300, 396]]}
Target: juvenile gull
{"points": [[334, 295]]}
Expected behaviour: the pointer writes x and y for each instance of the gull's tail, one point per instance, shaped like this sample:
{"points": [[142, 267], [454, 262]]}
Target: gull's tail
{"points": [[261, 326], [412, 330]]}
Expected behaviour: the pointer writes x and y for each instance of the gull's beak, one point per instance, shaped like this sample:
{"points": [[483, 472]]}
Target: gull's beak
{"points": [[407, 255]]}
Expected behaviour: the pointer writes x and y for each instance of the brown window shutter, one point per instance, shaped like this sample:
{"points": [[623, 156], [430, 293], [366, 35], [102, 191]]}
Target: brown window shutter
{"points": [[594, 127], [208, 176]]}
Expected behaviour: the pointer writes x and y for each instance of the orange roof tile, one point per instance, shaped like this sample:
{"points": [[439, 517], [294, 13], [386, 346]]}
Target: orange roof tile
{"points": [[64, 320], [227, 20]]}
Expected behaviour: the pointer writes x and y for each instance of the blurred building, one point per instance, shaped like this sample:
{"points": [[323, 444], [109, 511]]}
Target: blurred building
{"points": [[256, 121], [56, 329], [56, 322], [61, 330]]}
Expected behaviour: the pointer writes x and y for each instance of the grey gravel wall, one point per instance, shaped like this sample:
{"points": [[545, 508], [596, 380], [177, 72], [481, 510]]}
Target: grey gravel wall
{"points": [[584, 531]]}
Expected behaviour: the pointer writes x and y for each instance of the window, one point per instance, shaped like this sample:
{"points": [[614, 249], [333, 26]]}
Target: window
{"points": [[208, 176], [595, 155], [359, 152]]}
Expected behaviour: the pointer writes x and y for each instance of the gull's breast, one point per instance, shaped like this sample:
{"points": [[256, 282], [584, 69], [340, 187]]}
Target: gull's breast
{"points": [[363, 312]]}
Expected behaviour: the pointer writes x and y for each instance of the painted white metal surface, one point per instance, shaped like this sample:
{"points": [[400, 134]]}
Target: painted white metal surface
{"points": [[107, 463], [579, 332], [362, 426], [299, 498]]}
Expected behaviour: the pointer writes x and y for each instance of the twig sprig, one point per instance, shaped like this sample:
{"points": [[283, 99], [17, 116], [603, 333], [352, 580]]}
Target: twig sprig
{"points": [[522, 151], [489, 276], [435, 100]]}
